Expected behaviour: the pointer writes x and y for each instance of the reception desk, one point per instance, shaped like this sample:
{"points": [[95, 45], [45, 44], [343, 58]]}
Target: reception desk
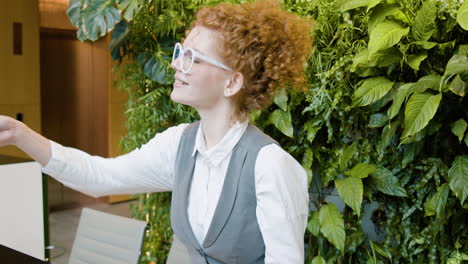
{"points": [[24, 232]]}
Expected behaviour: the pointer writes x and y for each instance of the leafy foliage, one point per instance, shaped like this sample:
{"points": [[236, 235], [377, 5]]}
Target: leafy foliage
{"points": [[383, 120]]}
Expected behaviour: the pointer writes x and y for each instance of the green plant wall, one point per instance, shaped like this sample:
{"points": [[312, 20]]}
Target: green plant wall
{"points": [[380, 130]]}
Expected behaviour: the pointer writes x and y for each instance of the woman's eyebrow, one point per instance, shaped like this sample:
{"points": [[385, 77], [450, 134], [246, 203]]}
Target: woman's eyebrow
{"points": [[197, 50]]}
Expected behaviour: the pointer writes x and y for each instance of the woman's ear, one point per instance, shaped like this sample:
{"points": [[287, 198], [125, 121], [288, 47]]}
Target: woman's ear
{"points": [[234, 85]]}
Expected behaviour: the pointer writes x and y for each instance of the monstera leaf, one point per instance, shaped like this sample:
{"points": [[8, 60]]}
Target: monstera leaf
{"points": [[93, 18], [131, 7]]}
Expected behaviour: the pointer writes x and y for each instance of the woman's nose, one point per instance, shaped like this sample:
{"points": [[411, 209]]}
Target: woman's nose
{"points": [[175, 64]]}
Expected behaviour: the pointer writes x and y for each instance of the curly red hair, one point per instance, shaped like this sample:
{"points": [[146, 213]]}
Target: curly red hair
{"points": [[268, 45]]}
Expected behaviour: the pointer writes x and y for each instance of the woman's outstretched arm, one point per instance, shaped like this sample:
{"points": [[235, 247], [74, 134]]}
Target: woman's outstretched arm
{"points": [[145, 169]]}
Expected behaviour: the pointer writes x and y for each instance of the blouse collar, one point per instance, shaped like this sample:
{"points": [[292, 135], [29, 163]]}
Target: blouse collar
{"points": [[216, 154]]}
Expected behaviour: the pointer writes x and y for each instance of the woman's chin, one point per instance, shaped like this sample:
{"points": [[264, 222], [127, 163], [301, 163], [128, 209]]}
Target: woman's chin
{"points": [[177, 97]]}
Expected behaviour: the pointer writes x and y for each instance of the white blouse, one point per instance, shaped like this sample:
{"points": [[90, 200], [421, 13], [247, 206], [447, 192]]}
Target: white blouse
{"points": [[280, 182]]}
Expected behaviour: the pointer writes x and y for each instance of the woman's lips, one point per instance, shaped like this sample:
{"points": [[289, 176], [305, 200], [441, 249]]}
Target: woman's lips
{"points": [[179, 83]]}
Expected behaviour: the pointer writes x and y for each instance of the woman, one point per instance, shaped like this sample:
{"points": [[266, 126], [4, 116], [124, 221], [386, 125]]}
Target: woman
{"points": [[238, 197]]}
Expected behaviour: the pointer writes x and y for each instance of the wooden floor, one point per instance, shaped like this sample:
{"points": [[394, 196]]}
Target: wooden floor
{"points": [[63, 225]]}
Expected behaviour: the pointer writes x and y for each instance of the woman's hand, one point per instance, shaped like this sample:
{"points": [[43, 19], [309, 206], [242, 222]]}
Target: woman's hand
{"points": [[8, 130], [13, 132]]}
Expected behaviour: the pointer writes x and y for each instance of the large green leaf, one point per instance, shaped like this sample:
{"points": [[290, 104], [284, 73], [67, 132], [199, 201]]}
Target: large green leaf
{"points": [[307, 160], [93, 18], [157, 69], [385, 35], [378, 120], [351, 190], [361, 170], [74, 11], [387, 135], [425, 44], [100, 17], [458, 86], [314, 224], [371, 90], [348, 153], [462, 50], [456, 65], [437, 203], [381, 58], [427, 82], [380, 12], [281, 99], [424, 23], [282, 120], [382, 250], [458, 175], [344, 5], [119, 35], [415, 60], [459, 128], [312, 127], [410, 150], [462, 15], [402, 92], [362, 58], [420, 109], [377, 106], [332, 225], [318, 260], [384, 181]]}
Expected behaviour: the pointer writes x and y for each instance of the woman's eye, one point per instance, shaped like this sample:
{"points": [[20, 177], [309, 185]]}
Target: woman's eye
{"points": [[196, 61]]}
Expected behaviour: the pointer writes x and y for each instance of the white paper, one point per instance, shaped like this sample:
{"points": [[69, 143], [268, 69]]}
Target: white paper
{"points": [[21, 208]]}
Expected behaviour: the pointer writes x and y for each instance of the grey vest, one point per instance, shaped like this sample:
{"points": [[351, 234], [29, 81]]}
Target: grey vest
{"points": [[234, 235]]}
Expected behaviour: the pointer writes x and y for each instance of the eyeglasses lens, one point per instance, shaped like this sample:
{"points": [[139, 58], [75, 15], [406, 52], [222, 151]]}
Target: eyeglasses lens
{"points": [[176, 53], [187, 60]]}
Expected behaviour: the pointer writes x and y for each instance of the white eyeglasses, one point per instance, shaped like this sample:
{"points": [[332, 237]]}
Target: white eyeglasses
{"points": [[187, 57]]}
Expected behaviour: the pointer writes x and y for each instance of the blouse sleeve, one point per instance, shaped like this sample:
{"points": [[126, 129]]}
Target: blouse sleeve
{"points": [[282, 204], [146, 169]]}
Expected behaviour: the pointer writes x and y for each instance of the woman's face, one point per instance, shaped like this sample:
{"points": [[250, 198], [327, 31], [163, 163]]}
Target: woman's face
{"points": [[203, 86]]}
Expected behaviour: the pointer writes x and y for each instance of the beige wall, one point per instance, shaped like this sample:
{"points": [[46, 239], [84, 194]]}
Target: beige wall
{"points": [[19, 74]]}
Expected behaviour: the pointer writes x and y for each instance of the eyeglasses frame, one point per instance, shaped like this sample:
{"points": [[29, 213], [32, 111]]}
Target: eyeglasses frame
{"points": [[195, 55]]}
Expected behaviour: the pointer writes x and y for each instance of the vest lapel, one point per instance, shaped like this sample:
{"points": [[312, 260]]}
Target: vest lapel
{"points": [[228, 195], [186, 176]]}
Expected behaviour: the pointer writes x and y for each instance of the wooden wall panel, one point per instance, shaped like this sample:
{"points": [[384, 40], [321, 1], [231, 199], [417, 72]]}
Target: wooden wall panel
{"points": [[74, 92], [74, 81]]}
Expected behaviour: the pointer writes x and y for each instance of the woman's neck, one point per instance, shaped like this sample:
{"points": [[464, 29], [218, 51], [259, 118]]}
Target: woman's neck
{"points": [[215, 124]]}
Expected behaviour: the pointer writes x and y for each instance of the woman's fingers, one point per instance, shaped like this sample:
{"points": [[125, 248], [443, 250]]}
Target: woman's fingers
{"points": [[6, 138], [6, 131]]}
